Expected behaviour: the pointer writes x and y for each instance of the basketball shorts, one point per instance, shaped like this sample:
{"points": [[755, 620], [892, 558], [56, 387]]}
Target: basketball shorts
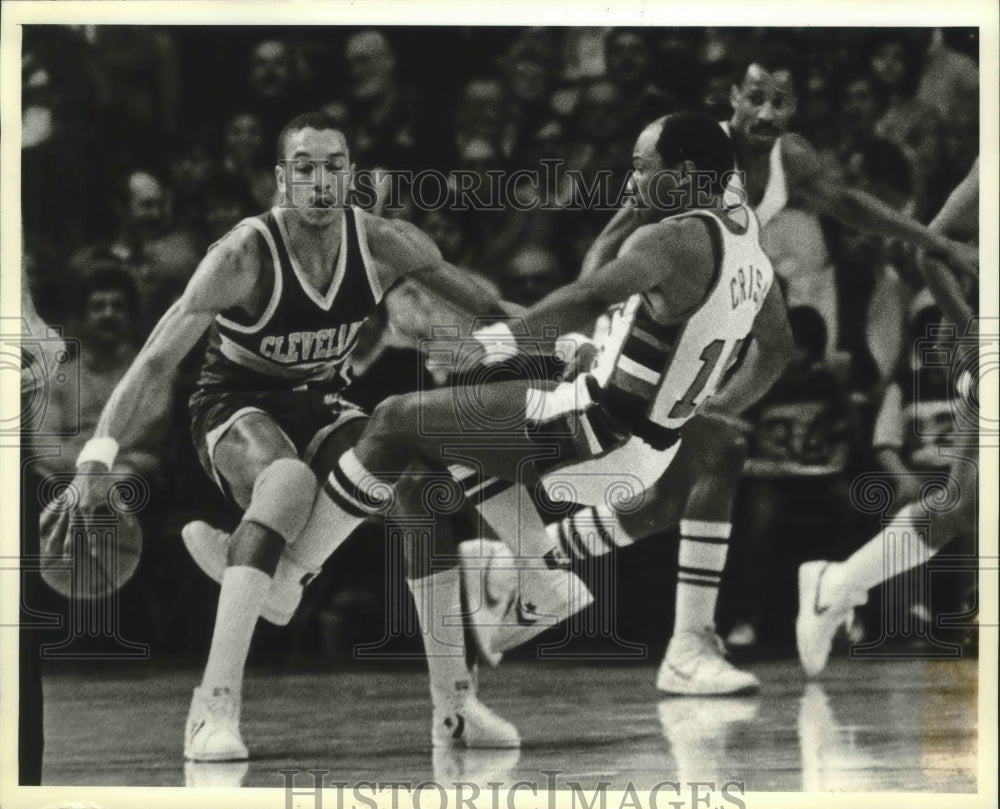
{"points": [[602, 463], [306, 417]]}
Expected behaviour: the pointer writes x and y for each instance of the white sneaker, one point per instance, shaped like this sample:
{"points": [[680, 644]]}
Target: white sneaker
{"points": [[694, 665], [816, 626], [545, 598], [473, 725], [209, 547], [212, 732], [489, 586]]}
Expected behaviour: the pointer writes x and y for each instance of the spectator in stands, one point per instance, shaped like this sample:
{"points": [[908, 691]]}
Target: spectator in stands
{"points": [[192, 165], [914, 126], [481, 114], [247, 160], [802, 440], [159, 258], [273, 92], [629, 66], [141, 75], [857, 109], [530, 72], [385, 126], [104, 324], [872, 293], [601, 146], [533, 272]]}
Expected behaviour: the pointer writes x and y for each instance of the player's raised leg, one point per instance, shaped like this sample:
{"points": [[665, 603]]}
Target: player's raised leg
{"points": [[829, 591], [262, 472]]}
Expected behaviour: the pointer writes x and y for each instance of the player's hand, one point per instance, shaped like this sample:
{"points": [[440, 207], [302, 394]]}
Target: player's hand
{"points": [[578, 355]]}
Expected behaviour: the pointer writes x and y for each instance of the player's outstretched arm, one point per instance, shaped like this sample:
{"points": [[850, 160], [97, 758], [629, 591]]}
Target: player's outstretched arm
{"points": [[676, 256], [959, 216], [143, 398], [403, 250], [765, 360], [825, 191]]}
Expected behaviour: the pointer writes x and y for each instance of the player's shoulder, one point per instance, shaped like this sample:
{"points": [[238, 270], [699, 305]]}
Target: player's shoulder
{"points": [[387, 237], [802, 160], [242, 246], [682, 239]]}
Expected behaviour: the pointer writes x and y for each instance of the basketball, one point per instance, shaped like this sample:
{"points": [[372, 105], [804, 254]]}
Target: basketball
{"points": [[101, 558]]}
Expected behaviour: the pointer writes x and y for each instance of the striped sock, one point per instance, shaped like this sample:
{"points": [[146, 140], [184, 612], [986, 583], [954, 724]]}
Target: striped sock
{"points": [[701, 560], [355, 490], [509, 510], [591, 532]]}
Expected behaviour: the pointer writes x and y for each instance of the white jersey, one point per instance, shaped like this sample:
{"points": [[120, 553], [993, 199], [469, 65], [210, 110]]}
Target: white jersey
{"points": [[662, 371], [775, 193]]}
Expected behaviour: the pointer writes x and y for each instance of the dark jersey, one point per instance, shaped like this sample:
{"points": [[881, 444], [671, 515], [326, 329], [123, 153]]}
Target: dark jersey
{"points": [[304, 335]]}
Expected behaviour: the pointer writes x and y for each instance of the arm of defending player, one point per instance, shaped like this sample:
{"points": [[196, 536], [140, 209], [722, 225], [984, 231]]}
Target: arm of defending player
{"points": [[143, 397], [825, 191], [959, 216], [609, 241], [771, 349], [409, 252]]}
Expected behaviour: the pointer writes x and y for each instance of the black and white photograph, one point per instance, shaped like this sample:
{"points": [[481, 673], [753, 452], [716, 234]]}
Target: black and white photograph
{"points": [[498, 406]]}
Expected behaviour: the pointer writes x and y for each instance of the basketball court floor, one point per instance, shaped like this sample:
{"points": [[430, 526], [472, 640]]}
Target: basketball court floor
{"points": [[898, 725]]}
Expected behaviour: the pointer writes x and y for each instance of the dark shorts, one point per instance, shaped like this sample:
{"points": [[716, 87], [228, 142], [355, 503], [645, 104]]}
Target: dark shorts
{"points": [[306, 417]]}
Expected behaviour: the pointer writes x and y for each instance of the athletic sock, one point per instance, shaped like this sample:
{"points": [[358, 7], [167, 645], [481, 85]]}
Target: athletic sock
{"points": [[591, 532], [900, 546], [701, 560], [437, 598], [240, 599], [350, 495]]}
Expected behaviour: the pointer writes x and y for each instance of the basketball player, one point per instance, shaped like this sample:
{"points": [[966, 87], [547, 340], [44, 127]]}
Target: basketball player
{"points": [[695, 286], [778, 169], [282, 297], [829, 591]]}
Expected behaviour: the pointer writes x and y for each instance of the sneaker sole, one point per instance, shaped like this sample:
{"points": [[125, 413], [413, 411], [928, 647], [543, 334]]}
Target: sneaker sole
{"points": [[472, 581], [739, 692]]}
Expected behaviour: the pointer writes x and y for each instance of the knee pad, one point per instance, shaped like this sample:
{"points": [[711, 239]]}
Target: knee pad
{"points": [[283, 496]]}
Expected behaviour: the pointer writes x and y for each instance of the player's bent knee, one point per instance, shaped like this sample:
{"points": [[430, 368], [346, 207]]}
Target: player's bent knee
{"points": [[283, 496]]}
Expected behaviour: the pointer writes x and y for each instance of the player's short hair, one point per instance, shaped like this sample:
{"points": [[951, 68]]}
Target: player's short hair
{"points": [[884, 163], [772, 56], [699, 138], [314, 119], [101, 272]]}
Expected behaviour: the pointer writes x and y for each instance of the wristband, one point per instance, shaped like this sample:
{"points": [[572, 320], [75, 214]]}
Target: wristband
{"points": [[102, 450], [498, 342]]}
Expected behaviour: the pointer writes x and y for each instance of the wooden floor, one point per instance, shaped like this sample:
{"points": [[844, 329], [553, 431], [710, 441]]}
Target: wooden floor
{"points": [[873, 725]]}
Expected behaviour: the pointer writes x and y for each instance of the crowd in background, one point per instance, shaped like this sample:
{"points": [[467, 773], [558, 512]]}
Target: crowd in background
{"points": [[142, 146]]}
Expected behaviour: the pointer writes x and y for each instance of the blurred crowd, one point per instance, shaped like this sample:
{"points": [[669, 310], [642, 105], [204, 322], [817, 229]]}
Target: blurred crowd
{"points": [[142, 146]]}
